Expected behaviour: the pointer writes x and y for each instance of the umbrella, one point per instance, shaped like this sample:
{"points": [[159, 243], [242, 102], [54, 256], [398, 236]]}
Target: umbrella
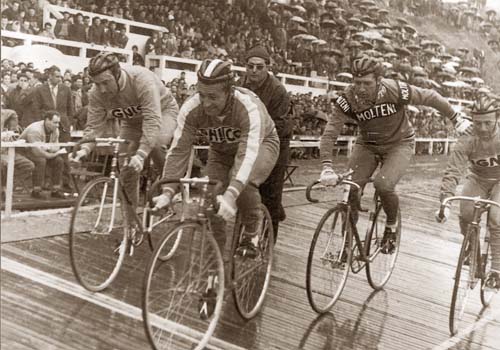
{"points": [[326, 15], [425, 43], [42, 56], [383, 11], [445, 56], [388, 48], [435, 60], [383, 26], [410, 29], [319, 42], [328, 23], [367, 3], [330, 4], [370, 35], [373, 53], [402, 20], [366, 44], [310, 4], [463, 49], [491, 11], [446, 75], [354, 20], [402, 51], [299, 30], [365, 19], [305, 37], [428, 52], [368, 24], [298, 19], [354, 43], [281, 2], [390, 55], [341, 22], [456, 59], [469, 70], [477, 80], [299, 8], [387, 64], [413, 47], [486, 24], [336, 52], [456, 84]]}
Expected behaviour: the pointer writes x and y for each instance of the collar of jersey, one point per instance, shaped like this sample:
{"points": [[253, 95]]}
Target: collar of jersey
{"points": [[122, 81]]}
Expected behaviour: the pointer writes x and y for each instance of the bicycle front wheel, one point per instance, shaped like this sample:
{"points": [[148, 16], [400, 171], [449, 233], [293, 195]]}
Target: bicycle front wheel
{"points": [[251, 276], [329, 259], [465, 281], [98, 234], [182, 296], [382, 260]]}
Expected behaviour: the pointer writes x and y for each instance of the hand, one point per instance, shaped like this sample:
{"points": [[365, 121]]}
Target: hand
{"points": [[462, 125], [446, 214], [328, 177], [227, 205], [136, 163], [162, 201], [78, 156]]}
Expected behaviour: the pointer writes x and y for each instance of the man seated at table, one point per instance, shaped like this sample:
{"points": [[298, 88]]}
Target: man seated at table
{"points": [[45, 157]]}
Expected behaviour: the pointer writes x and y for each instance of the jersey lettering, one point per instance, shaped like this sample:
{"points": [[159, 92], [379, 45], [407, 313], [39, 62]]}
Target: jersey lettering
{"points": [[487, 162], [222, 134], [343, 104], [381, 110], [405, 91], [126, 113]]}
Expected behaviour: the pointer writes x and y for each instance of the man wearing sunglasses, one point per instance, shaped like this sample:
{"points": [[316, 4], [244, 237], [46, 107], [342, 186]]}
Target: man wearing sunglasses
{"points": [[274, 96]]}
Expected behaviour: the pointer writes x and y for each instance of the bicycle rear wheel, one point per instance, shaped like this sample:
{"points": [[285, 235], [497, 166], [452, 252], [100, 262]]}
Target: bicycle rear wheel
{"points": [[98, 233], [174, 291], [486, 294], [251, 276], [329, 259], [465, 281], [381, 265]]}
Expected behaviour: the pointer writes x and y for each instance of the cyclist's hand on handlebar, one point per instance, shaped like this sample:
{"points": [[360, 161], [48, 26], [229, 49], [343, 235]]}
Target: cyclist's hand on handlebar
{"points": [[328, 177], [162, 201], [227, 205], [77, 158], [442, 217], [137, 163]]}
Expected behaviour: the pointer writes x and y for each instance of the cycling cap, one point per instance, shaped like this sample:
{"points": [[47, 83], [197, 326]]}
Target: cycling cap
{"points": [[215, 71], [486, 105], [366, 65], [102, 62]]}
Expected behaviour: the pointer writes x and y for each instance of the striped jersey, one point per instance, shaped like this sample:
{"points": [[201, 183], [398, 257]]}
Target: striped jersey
{"points": [[481, 157], [143, 103], [384, 123], [238, 134]]}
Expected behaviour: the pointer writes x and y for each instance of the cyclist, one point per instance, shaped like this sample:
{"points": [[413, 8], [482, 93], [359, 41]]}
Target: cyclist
{"points": [[146, 110], [244, 147], [379, 106], [481, 153]]}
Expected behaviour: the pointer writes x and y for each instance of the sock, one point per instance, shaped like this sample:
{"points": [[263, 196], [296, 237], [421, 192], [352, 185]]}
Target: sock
{"points": [[393, 227]]}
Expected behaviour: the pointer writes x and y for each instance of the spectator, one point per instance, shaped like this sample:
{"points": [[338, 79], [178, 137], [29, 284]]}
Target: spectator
{"points": [[20, 99], [137, 59], [12, 11], [77, 31], [45, 158], [121, 38], [47, 31], [96, 32], [62, 27]]}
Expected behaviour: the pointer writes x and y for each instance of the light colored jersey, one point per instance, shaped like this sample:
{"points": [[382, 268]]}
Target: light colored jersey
{"points": [[481, 157], [143, 103], [384, 123], [238, 134]]}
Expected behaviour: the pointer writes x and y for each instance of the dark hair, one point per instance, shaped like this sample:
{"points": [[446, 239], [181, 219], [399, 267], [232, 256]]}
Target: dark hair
{"points": [[50, 114], [53, 69]]}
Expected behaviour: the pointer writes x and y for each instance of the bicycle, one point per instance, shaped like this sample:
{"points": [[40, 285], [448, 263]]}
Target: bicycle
{"points": [[102, 227], [474, 261], [174, 289], [333, 251]]}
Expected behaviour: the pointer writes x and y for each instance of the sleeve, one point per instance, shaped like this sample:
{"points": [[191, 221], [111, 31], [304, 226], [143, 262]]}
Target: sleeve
{"points": [[456, 168], [252, 117], [332, 130], [96, 120], [149, 97], [430, 98], [278, 109], [177, 158], [170, 109]]}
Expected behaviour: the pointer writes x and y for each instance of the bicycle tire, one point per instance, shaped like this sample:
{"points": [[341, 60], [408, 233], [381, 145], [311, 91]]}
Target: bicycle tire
{"points": [[167, 324], [486, 295], [249, 304], [88, 244], [381, 264], [462, 284], [322, 300]]}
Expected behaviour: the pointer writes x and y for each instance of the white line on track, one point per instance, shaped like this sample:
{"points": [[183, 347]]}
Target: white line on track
{"points": [[103, 300], [461, 335]]}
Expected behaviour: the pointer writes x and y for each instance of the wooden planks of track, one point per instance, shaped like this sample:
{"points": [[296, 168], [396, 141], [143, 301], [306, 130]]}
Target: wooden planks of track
{"points": [[411, 313]]}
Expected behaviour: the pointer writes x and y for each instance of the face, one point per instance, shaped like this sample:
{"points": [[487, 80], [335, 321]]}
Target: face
{"points": [[55, 78], [78, 83], [366, 87], [485, 126], [106, 84], [52, 125], [213, 98], [6, 79], [256, 69], [22, 82]]}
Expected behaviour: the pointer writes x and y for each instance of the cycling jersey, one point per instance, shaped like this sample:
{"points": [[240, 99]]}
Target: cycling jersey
{"points": [[143, 104], [238, 133], [386, 121], [482, 156]]}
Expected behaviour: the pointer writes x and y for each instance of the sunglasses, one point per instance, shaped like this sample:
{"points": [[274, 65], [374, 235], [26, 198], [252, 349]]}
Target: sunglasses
{"points": [[258, 66]]}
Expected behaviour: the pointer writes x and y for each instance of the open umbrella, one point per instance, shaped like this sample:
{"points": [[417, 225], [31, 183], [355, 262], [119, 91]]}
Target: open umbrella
{"points": [[383, 12], [354, 20], [366, 44], [413, 47], [330, 4], [319, 42], [373, 53], [425, 43], [310, 4], [469, 70], [371, 34], [402, 20], [353, 44], [383, 26], [299, 8], [456, 84], [463, 49], [368, 25], [388, 48], [298, 19], [491, 11], [341, 22], [435, 60], [298, 30], [328, 23], [486, 25], [281, 2], [390, 55], [336, 52], [368, 3], [445, 56], [429, 52], [305, 37], [402, 51], [409, 29], [477, 80]]}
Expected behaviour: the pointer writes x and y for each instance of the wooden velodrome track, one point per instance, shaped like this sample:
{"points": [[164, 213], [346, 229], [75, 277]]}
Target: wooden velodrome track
{"points": [[44, 308]]}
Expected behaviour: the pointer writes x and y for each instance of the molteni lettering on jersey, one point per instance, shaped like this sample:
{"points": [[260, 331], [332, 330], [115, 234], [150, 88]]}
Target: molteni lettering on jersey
{"points": [[487, 162], [405, 91], [381, 110], [343, 104], [222, 134], [126, 113]]}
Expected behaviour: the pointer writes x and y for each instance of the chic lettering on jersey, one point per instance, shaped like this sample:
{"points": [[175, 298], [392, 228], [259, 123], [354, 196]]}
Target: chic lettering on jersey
{"points": [[126, 113], [222, 134], [487, 162], [381, 110]]}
